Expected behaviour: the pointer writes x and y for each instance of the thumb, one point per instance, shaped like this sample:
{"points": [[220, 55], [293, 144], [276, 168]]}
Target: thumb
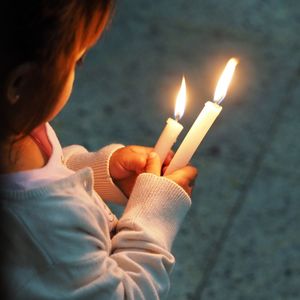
{"points": [[153, 164]]}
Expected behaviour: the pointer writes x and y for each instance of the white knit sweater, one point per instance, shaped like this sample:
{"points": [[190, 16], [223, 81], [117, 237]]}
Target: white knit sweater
{"points": [[60, 241]]}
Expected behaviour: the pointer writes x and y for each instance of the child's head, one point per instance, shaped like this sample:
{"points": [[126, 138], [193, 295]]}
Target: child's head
{"points": [[41, 42]]}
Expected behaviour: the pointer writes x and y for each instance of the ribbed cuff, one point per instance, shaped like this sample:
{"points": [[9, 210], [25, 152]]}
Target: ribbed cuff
{"points": [[99, 162], [158, 206]]}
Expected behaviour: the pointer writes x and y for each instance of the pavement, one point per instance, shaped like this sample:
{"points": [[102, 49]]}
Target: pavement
{"points": [[240, 239]]}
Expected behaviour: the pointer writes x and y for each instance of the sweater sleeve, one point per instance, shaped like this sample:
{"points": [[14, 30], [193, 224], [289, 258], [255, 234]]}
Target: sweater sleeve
{"points": [[145, 234], [84, 262], [158, 206], [77, 157]]}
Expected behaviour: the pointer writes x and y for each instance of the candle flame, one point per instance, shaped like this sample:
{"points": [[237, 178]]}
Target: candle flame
{"points": [[180, 101], [224, 81]]}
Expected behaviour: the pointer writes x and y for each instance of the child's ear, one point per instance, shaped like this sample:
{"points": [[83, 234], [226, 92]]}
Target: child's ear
{"points": [[18, 81]]}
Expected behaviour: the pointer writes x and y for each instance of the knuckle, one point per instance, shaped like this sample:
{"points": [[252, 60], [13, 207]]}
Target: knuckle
{"points": [[195, 170], [180, 182]]}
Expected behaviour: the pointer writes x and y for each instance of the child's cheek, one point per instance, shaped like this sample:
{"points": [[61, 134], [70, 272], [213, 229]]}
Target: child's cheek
{"points": [[64, 96]]}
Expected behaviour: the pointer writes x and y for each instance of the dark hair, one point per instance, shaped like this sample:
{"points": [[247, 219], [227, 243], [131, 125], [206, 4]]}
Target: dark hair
{"points": [[48, 33]]}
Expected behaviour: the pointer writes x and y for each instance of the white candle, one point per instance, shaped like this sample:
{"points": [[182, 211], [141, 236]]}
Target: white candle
{"points": [[203, 122], [173, 128], [167, 138], [195, 136]]}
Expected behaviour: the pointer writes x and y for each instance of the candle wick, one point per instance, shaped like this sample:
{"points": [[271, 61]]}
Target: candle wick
{"points": [[219, 101], [177, 118]]}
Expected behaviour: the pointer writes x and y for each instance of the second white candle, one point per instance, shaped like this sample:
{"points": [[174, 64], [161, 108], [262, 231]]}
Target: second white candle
{"points": [[195, 136], [204, 121]]}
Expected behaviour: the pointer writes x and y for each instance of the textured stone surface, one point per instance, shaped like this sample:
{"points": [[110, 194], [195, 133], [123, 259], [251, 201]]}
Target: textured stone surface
{"points": [[261, 256], [240, 239], [284, 151]]}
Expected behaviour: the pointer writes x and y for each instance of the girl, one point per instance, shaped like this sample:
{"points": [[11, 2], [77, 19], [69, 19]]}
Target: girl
{"points": [[59, 240]]}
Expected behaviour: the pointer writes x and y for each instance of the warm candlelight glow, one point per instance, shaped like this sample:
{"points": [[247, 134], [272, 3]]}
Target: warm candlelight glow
{"points": [[225, 80], [180, 101]]}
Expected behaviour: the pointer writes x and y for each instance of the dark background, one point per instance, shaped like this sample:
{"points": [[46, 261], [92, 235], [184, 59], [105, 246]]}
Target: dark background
{"points": [[240, 239]]}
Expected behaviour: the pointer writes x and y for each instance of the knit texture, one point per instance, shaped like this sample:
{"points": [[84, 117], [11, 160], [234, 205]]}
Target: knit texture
{"points": [[77, 157], [156, 209], [59, 245], [59, 240]]}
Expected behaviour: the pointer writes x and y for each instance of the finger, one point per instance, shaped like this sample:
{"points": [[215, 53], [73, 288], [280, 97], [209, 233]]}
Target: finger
{"points": [[139, 158], [185, 177], [187, 187], [190, 173], [126, 185], [136, 162], [140, 149], [153, 164]]}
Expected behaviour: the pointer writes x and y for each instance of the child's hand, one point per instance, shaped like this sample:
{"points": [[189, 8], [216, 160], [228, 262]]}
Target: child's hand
{"points": [[185, 177], [126, 164]]}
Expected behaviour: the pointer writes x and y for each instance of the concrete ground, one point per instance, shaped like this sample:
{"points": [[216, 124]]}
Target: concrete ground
{"points": [[240, 239]]}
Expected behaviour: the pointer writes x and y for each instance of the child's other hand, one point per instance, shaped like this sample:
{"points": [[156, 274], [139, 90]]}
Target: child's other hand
{"points": [[126, 164], [185, 177]]}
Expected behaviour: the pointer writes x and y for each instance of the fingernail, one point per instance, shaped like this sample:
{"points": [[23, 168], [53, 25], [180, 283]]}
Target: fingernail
{"points": [[152, 155]]}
